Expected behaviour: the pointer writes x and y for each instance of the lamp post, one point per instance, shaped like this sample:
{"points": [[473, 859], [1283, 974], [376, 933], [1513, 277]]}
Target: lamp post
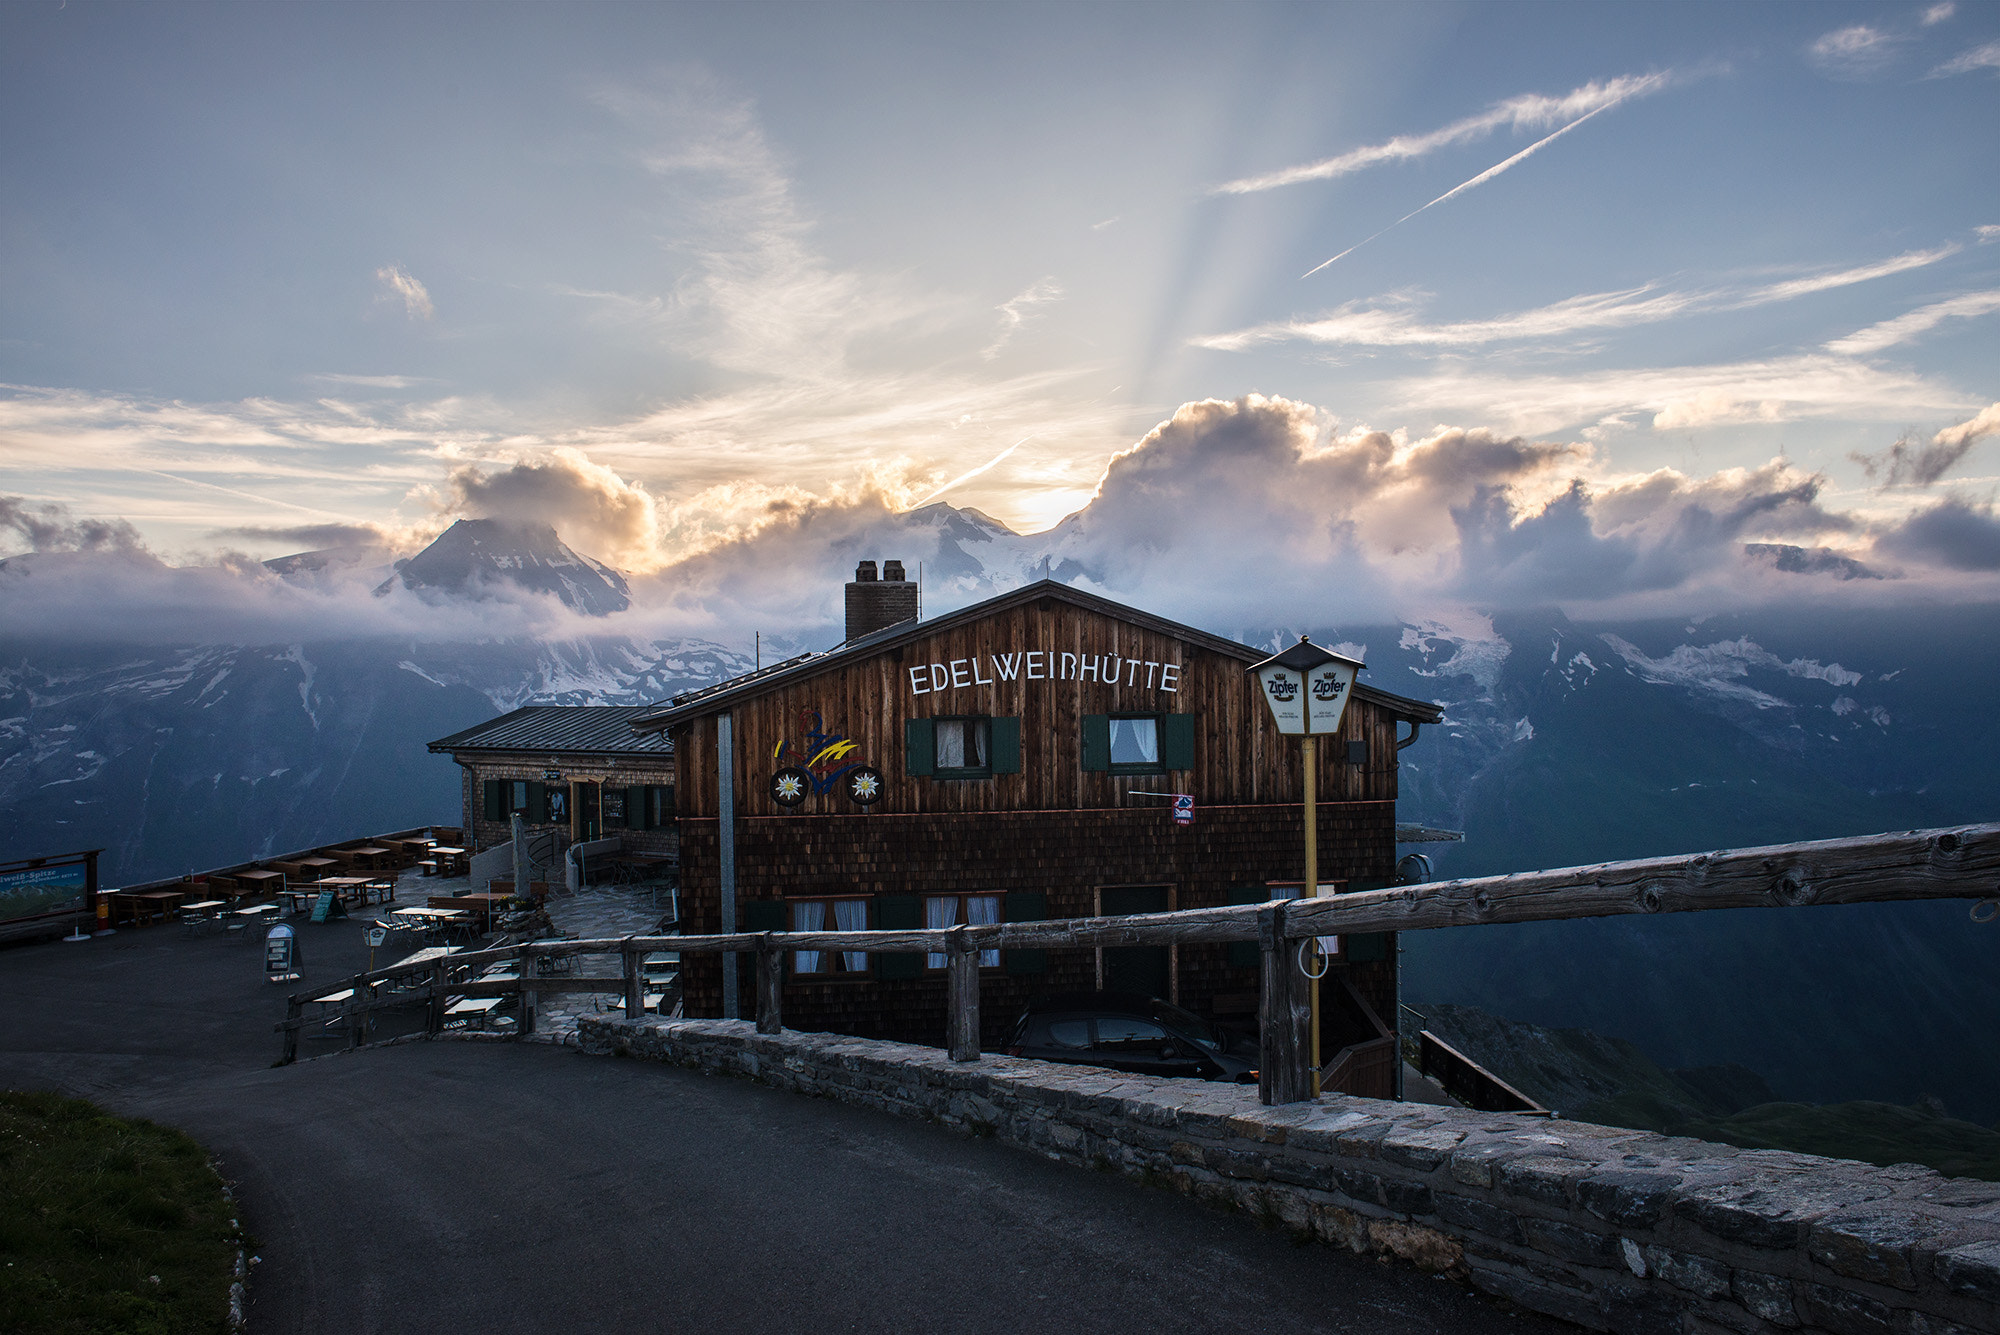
{"points": [[1306, 689]]}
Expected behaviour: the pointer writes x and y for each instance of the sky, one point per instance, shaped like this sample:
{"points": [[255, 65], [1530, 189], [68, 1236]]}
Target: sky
{"points": [[1491, 303]]}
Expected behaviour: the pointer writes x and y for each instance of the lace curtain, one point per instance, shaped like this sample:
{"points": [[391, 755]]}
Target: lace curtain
{"points": [[979, 911], [807, 916], [1135, 741], [851, 915], [941, 911]]}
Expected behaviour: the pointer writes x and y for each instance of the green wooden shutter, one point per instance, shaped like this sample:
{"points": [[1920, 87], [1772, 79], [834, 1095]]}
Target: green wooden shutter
{"points": [[635, 808], [898, 913], [919, 746], [1026, 906], [761, 915], [1244, 954], [1177, 741], [495, 808], [1097, 741], [667, 809], [1006, 743], [538, 804]]}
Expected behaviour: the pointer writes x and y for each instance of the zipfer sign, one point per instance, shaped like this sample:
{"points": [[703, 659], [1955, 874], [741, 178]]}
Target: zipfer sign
{"points": [[1045, 665]]}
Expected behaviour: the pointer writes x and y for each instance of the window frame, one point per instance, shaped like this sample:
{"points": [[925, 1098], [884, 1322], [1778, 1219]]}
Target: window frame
{"points": [[940, 771], [924, 898], [835, 968], [1157, 766]]}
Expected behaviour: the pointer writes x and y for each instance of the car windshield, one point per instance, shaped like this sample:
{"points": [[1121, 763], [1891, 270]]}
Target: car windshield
{"points": [[1188, 1024]]}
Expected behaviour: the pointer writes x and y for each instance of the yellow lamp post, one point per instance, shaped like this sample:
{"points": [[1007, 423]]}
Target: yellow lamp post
{"points": [[1306, 689]]}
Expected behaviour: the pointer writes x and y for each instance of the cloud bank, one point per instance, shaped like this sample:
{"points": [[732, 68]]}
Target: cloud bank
{"points": [[1232, 514]]}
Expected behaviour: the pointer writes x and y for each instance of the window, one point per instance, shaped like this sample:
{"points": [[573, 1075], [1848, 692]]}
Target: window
{"points": [[970, 910], [1126, 1036], [504, 797], [648, 806], [1135, 743], [962, 748], [829, 915]]}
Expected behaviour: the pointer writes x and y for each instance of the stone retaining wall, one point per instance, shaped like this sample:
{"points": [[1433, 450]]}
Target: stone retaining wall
{"points": [[1612, 1229]]}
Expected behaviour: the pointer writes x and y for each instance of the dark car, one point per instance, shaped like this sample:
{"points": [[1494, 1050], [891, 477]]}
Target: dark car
{"points": [[1129, 1032]]}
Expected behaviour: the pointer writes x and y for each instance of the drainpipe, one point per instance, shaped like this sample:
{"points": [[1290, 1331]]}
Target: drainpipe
{"points": [[725, 778]]}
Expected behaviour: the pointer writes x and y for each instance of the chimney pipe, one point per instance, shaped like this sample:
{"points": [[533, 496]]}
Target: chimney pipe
{"points": [[874, 604]]}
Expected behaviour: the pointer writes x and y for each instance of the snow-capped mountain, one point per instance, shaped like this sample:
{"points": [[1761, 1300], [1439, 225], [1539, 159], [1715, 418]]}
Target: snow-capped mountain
{"points": [[474, 558], [205, 755]]}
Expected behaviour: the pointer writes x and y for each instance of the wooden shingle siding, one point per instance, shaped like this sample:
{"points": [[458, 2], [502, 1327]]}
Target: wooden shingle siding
{"points": [[1066, 856]]}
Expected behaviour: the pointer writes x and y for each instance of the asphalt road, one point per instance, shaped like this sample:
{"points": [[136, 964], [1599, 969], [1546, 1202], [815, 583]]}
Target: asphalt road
{"points": [[487, 1188]]}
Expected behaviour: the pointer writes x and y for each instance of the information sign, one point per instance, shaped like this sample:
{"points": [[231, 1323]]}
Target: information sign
{"points": [[376, 936], [324, 906], [1183, 808]]}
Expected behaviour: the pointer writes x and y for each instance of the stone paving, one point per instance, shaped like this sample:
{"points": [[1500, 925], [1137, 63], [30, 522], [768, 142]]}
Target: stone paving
{"points": [[593, 912], [596, 911]]}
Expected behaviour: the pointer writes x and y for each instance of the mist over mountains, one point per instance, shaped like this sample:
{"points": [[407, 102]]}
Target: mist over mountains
{"points": [[183, 717]]}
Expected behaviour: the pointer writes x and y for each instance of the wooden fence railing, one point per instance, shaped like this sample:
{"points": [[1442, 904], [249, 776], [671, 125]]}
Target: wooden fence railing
{"points": [[1962, 862]]}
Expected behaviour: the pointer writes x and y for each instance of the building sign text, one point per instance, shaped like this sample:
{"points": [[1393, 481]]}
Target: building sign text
{"points": [[1045, 665]]}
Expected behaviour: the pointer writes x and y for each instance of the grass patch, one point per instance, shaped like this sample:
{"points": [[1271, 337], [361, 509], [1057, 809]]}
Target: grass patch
{"points": [[108, 1226], [1877, 1133]]}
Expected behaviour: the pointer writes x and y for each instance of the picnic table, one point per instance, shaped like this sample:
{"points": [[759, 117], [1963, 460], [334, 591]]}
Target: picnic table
{"points": [[312, 868], [259, 882], [156, 904], [201, 914], [345, 887], [369, 857], [473, 1010], [450, 861]]}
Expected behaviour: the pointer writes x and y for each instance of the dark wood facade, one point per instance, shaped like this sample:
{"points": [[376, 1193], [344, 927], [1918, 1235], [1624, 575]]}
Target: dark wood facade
{"points": [[1052, 828], [575, 771]]}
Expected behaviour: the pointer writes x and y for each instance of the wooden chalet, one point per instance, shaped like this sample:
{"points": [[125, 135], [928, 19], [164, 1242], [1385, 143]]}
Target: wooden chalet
{"points": [[577, 770], [1018, 760]]}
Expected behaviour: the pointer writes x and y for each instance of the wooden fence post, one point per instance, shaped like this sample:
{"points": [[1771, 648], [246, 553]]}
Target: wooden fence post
{"points": [[1284, 1014], [294, 1013], [435, 1023], [962, 993], [770, 987], [635, 985], [358, 1034], [524, 1023]]}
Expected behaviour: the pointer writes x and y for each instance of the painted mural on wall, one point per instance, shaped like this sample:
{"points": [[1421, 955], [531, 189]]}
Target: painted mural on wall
{"points": [[822, 761]]}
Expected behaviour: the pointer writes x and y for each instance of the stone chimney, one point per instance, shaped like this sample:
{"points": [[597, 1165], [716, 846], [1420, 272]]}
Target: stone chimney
{"points": [[874, 603]]}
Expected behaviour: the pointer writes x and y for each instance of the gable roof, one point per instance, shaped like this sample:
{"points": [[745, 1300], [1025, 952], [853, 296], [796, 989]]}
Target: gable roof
{"points": [[723, 695], [555, 729]]}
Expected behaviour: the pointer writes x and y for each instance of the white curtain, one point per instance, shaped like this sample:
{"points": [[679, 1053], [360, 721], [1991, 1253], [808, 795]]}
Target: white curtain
{"points": [[961, 744], [980, 910], [940, 912], [951, 744], [807, 916], [851, 915], [1135, 741]]}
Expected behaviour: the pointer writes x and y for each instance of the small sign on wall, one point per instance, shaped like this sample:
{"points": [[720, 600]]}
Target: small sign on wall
{"points": [[1183, 808]]}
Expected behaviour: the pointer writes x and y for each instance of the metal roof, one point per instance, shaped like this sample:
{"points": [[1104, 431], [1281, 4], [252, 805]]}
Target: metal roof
{"points": [[712, 699], [562, 729]]}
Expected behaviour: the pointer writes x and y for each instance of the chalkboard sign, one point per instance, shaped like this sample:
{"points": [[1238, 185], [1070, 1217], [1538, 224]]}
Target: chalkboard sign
{"points": [[281, 954], [324, 906]]}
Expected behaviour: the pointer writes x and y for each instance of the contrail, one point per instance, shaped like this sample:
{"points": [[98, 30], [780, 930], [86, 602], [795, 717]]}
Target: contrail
{"points": [[967, 477], [1480, 179]]}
